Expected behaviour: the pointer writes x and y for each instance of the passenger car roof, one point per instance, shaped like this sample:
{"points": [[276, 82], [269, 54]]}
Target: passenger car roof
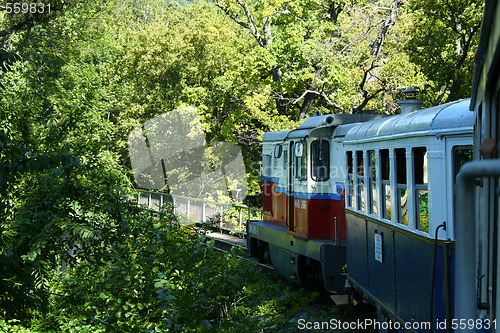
{"points": [[318, 122], [441, 118]]}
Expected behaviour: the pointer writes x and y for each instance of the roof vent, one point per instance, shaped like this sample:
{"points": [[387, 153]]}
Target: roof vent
{"points": [[411, 102]]}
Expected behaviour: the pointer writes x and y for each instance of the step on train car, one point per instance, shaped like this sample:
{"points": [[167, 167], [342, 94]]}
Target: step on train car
{"points": [[303, 228], [400, 215]]}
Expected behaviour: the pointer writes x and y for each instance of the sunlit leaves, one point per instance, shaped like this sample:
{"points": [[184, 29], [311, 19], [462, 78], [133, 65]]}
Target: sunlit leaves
{"points": [[74, 86], [442, 40]]}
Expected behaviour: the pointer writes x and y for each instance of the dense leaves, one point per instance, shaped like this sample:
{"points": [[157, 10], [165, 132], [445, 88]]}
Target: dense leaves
{"points": [[75, 255], [443, 42]]}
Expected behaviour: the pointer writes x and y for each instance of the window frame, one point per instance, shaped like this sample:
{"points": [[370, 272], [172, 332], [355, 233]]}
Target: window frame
{"points": [[420, 185], [385, 180], [372, 191], [321, 142], [349, 186], [302, 164], [400, 186], [360, 181]]}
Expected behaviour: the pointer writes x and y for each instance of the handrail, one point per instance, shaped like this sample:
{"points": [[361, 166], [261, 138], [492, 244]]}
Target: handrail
{"points": [[200, 200], [197, 210], [465, 235]]}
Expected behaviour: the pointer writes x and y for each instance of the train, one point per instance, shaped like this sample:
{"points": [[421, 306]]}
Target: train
{"points": [[477, 191], [398, 212], [303, 232], [359, 202]]}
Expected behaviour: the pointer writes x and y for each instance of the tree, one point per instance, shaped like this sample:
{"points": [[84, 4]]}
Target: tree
{"points": [[333, 57], [57, 156], [442, 40], [263, 38]]}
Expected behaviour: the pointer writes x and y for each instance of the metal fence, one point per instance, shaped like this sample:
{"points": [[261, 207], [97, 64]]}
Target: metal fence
{"points": [[224, 216]]}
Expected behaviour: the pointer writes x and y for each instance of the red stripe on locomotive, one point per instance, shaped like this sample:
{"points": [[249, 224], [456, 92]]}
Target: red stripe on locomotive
{"points": [[313, 218]]}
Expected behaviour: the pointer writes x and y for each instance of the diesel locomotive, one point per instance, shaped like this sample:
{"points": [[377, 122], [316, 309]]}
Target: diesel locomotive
{"points": [[303, 231]]}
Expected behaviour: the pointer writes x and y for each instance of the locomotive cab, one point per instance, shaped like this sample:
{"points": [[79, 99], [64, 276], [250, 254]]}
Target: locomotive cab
{"points": [[302, 233]]}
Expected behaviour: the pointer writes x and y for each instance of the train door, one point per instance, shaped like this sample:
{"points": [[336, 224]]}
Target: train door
{"points": [[458, 151], [486, 214], [291, 178]]}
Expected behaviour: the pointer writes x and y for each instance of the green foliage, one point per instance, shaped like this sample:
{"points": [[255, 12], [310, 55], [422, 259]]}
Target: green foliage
{"points": [[74, 255], [442, 40], [151, 274], [424, 212]]}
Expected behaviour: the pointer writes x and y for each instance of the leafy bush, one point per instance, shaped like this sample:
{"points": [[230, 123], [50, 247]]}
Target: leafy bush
{"points": [[149, 273]]}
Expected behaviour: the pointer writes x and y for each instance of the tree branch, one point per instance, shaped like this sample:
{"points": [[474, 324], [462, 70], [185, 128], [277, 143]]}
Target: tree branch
{"points": [[441, 93], [322, 94], [266, 22], [367, 98], [233, 16], [389, 22], [365, 75], [251, 25]]}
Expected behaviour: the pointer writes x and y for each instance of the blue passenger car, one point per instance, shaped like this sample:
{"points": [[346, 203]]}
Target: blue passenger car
{"points": [[400, 175]]}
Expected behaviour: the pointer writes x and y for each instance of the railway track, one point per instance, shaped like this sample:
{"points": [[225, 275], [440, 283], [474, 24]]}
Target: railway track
{"points": [[224, 243]]}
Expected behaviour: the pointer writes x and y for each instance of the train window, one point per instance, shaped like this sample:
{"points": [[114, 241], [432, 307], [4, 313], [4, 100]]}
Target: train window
{"points": [[421, 188], [301, 160], [349, 184], [277, 165], [299, 149], [278, 149], [320, 159], [372, 183], [402, 189], [360, 186], [266, 165], [386, 184], [461, 155]]}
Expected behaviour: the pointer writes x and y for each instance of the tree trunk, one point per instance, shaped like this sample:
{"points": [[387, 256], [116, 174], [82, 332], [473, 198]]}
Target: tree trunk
{"points": [[281, 102], [388, 24], [307, 105], [276, 73], [454, 89], [334, 11], [312, 94]]}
